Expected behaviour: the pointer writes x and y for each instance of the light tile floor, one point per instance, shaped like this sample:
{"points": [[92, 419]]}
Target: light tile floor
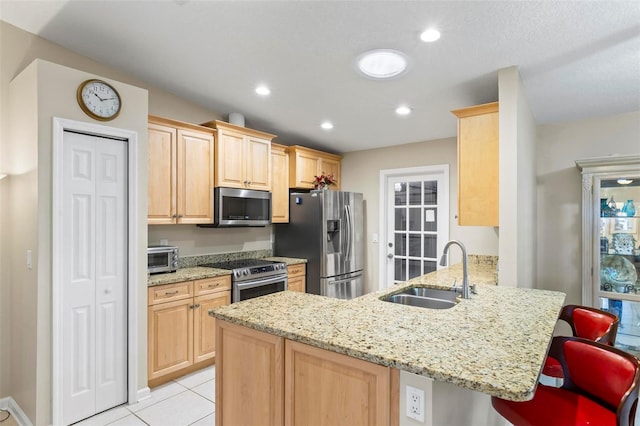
{"points": [[187, 401]]}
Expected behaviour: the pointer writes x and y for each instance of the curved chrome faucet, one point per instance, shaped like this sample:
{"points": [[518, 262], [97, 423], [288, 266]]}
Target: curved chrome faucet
{"points": [[465, 272]]}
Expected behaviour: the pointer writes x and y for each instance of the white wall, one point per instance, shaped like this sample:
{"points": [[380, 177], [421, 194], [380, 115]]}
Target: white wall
{"points": [[559, 190], [41, 92], [21, 145], [517, 245], [361, 172], [5, 290], [18, 351]]}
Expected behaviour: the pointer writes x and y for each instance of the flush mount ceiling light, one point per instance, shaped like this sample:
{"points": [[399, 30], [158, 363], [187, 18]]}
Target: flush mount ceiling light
{"points": [[263, 90], [382, 63], [430, 35], [327, 125], [403, 110], [624, 181]]}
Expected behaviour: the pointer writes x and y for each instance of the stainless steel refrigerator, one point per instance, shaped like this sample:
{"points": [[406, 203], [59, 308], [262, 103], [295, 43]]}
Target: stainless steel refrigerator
{"points": [[326, 228]]}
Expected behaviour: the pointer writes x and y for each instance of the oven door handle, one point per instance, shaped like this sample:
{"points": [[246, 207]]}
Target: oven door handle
{"points": [[265, 281]]}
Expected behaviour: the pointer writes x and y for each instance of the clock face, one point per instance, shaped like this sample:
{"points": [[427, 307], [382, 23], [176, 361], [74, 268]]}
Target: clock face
{"points": [[99, 100]]}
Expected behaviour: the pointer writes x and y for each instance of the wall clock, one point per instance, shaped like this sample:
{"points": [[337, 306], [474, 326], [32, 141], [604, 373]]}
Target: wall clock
{"points": [[99, 100]]}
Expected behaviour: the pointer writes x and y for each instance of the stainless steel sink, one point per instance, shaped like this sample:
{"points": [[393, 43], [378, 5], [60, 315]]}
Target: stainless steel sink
{"points": [[432, 293], [424, 298]]}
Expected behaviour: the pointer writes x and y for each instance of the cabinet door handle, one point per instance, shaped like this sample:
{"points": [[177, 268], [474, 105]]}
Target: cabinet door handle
{"points": [[214, 285], [174, 216], [194, 306], [179, 216], [170, 293]]}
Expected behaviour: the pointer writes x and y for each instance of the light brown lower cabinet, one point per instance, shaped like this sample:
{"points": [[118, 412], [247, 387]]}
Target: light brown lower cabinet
{"points": [[181, 334], [297, 277], [249, 376], [262, 379]]}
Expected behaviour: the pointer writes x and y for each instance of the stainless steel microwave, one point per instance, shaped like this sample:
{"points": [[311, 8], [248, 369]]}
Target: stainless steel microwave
{"points": [[162, 259], [240, 207]]}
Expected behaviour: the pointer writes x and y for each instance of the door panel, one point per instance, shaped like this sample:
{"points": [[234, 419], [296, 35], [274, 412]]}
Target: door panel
{"points": [[258, 163], [230, 169], [81, 355], [195, 192], [204, 327], [162, 171], [111, 267], [79, 278], [416, 224], [354, 257], [94, 274]]}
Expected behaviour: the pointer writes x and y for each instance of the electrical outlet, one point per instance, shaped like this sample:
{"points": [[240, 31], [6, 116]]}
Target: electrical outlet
{"points": [[415, 403]]}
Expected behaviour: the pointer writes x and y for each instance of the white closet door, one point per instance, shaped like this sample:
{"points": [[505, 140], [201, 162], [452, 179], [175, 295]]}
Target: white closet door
{"points": [[94, 289]]}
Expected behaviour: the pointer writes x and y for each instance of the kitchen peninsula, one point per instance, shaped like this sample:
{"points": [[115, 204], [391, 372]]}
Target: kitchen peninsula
{"points": [[287, 348]]}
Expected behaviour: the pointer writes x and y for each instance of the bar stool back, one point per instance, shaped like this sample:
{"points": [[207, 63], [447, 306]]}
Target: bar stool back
{"points": [[600, 387], [588, 323]]}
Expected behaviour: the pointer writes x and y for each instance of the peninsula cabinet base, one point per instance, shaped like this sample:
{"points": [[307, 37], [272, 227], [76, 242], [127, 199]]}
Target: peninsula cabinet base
{"points": [[262, 379]]}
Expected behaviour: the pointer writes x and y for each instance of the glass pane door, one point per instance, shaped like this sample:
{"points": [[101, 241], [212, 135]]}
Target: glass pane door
{"points": [[415, 229], [619, 267]]}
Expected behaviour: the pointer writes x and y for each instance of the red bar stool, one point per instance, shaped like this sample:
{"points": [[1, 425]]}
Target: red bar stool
{"points": [[588, 323], [600, 388]]}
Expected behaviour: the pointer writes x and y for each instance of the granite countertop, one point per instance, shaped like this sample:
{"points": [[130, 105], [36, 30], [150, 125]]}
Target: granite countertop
{"points": [[493, 343], [185, 274], [287, 260], [198, 272]]}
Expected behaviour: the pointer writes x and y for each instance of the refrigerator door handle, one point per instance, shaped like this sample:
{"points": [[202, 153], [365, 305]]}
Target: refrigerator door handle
{"points": [[346, 280], [349, 230]]}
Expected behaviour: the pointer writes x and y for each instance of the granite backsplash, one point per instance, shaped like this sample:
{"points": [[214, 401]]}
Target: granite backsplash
{"points": [[191, 261]]}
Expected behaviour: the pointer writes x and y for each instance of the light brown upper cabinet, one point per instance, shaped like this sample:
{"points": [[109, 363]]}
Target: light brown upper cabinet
{"points": [[242, 156], [306, 163], [478, 166], [279, 184], [180, 172]]}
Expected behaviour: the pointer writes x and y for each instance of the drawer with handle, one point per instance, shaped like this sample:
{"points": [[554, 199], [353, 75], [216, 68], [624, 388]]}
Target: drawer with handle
{"points": [[212, 285], [170, 292], [296, 270]]}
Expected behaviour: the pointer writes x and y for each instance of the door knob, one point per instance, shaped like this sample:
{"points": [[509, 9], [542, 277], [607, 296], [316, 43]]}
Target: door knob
{"points": [[390, 256]]}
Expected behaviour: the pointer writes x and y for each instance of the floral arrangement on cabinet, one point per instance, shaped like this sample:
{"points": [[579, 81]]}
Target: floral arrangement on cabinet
{"points": [[324, 181]]}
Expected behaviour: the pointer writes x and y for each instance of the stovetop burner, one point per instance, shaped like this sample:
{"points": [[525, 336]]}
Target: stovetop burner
{"points": [[247, 269]]}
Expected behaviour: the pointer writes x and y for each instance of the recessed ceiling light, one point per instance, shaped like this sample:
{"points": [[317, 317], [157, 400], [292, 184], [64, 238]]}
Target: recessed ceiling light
{"points": [[624, 181], [327, 125], [382, 63], [430, 35], [263, 90], [403, 110]]}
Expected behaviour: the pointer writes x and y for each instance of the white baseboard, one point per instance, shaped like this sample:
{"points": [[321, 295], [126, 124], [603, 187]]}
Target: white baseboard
{"points": [[143, 393], [12, 406]]}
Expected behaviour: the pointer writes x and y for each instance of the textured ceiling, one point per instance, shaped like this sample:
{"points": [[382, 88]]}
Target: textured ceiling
{"points": [[577, 60]]}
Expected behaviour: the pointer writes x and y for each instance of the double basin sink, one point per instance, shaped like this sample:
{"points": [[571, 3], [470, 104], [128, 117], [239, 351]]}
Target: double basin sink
{"points": [[423, 297]]}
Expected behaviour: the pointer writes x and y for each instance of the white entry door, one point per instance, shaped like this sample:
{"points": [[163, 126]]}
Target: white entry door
{"points": [[415, 220], [94, 290]]}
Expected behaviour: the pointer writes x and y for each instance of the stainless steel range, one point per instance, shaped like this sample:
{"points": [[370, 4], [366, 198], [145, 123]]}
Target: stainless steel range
{"points": [[254, 277]]}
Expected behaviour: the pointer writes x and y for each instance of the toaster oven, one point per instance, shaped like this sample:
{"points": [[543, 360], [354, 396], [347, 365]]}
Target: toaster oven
{"points": [[162, 259]]}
